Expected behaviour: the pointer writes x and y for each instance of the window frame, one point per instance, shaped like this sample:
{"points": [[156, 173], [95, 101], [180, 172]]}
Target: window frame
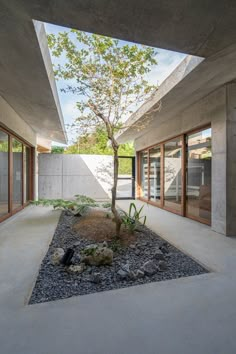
{"points": [[11, 136], [161, 144]]}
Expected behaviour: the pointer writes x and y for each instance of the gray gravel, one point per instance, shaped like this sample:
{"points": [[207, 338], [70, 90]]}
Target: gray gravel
{"points": [[54, 282]]}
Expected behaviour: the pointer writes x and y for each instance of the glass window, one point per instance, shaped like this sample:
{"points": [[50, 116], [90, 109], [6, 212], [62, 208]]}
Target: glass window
{"points": [[198, 175], [144, 174], [173, 174], [26, 166], [155, 174], [4, 163], [17, 173]]}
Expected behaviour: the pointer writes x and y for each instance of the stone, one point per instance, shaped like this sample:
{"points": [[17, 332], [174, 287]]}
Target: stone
{"points": [[139, 274], [76, 258], [125, 267], [137, 252], [158, 256], [162, 265], [132, 246], [164, 248], [76, 268], [57, 256], [97, 212], [122, 274], [149, 268], [104, 244], [96, 278], [97, 256]]}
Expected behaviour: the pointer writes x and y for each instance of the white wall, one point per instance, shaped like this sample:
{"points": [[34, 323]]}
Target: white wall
{"points": [[64, 176]]}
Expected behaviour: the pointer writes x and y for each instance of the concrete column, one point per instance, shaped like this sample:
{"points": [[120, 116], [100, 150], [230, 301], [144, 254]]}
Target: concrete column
{"points": [[231, 159], [218, 124]]}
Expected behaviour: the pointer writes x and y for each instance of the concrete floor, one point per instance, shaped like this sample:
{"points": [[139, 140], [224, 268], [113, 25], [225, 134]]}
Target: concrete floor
{"points": [[194, 315]]}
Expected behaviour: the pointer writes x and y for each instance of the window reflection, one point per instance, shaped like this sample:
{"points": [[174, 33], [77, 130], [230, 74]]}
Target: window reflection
{"points": [[26, 166], [4, 164], [144, 174], [198, 172], [155, 174], [173, 174], [17, 173]]}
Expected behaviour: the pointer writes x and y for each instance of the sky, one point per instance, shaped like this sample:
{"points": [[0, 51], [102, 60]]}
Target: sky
{"points": [[167, 62]]}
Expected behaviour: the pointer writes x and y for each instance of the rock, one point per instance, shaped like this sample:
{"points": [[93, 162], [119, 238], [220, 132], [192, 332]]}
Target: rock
{"points": [[162, 265], [125, 267], [132, 246], [137, 252], [149, 268], [76, 268], [97, 212], [104, 244], [122, 274], [158, 256], [164, 248], [98, 255], [57, 256], [139, 274], [96, 278]]}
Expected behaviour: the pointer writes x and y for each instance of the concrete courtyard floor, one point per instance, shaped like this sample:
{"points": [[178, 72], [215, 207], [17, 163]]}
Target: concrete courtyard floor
{"points": [[195, 315]]}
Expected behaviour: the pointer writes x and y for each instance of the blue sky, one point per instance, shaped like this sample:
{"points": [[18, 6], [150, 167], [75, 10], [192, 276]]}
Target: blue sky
{"points": [[167, 62]]}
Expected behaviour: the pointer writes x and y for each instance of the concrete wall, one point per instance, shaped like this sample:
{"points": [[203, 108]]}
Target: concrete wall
{"points": [[64, 176], [11, 120], [211, 109], [231, 159]]}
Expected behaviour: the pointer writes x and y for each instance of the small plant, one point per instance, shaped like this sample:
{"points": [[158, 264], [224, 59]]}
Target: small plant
{"points": [[115, 245], [83, 199], [133, 218], [76, 207], [89, 251], [106, 205]]}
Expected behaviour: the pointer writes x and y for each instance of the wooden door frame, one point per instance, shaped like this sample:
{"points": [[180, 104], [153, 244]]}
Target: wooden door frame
{"points": [[161, 205], [10, 173]]}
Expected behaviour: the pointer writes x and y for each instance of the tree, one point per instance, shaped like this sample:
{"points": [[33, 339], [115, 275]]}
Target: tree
{"points": [[110, 81], [57, 150], [97, 143]]}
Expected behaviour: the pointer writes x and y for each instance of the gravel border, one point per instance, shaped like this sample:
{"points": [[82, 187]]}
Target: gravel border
{"points": [[55, 282]]}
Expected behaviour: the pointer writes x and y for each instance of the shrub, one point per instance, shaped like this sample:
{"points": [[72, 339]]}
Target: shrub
{"points": [[76, 207]]}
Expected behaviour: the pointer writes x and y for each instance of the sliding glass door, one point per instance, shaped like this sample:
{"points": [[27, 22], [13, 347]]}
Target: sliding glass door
{"points": [[17, 150], [15, 174], [144, 174], [176, 175], [155, 174], [4, 173], [198, 175], [173, 174]]}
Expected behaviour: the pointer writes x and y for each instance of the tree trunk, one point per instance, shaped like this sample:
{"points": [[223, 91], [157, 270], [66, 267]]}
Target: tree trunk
{"points": [[116, 214]]}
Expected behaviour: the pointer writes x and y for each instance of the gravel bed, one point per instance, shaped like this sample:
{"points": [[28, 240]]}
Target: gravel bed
{"points": [[55, 282]]}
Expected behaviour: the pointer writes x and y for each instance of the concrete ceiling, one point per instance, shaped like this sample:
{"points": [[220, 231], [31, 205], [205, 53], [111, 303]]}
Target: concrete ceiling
{"points": [[202, 27], [192, 80]]}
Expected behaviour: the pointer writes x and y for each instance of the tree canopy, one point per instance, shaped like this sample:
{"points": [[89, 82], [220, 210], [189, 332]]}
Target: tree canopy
{"points": [[109, 78]]}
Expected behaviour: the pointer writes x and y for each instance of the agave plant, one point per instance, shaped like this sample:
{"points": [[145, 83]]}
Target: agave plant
{"points": [[133, 218]]}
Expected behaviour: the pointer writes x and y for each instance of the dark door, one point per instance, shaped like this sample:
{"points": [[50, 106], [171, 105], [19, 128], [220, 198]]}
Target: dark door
{"points": [[126, 178]]}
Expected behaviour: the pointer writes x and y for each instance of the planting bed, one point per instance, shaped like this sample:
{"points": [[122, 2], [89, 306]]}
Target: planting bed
{"points": [[127, 269]]}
